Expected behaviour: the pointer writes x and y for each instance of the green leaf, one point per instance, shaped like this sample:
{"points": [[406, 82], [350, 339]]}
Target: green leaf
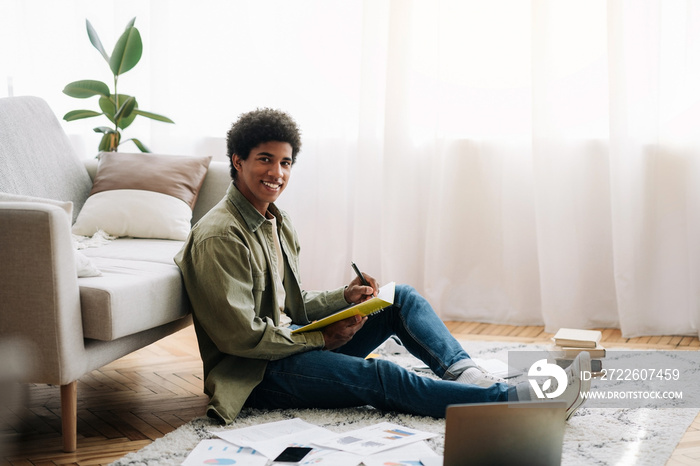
{"points": [[110, 109], [107, 106], [80, 114], [142, 147], [130, 24], [104, 142], [103, 129], [127, 52], [110, 141], [95, 40], [153, 116], [86, 88], [126, 120], [125, 109]]}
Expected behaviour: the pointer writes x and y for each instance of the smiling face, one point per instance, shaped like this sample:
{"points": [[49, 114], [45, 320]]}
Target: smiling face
{"points": [[264, 174]]}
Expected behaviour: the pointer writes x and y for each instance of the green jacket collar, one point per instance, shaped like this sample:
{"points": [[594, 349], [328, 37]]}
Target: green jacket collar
{"points": [[250, 214]]}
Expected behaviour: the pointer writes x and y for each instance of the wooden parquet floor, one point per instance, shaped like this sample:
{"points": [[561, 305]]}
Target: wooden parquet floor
{"points": [[141, 397]]}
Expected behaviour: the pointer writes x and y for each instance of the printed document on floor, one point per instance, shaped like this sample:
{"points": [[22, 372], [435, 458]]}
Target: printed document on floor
{"points": [[413, 454], [273, 437], [373, 439], [217, 451]]}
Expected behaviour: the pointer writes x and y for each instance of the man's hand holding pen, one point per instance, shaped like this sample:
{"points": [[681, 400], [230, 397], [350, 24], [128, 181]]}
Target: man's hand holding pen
{"points": [[361, 288]]}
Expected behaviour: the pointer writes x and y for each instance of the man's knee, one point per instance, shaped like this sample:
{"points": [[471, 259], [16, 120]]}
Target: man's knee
{"points": [[406, 292], [408, 297]]}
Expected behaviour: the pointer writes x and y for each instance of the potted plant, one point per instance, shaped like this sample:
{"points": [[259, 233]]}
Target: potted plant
{"points": [[120, 109]]}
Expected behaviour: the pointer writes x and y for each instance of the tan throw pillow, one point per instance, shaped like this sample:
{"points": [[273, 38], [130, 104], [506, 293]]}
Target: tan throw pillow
{"points": [[143, 195]]}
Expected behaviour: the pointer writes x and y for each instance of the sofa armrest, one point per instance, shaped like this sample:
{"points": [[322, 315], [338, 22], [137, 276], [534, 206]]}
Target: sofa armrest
{"points": [[39, 297], [216, 183]]}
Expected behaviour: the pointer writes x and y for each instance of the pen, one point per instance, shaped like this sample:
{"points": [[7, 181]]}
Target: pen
{"points": [[359, 274]]}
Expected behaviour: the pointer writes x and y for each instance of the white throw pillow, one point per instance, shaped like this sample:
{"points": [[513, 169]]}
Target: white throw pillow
{"points": [[136, 213]]}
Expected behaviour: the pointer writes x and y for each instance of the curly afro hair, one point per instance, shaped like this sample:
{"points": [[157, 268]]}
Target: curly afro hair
{"points": [[260, 126]]}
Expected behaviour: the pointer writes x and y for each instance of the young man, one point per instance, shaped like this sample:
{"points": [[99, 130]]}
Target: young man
{"points": [[240, 266]]}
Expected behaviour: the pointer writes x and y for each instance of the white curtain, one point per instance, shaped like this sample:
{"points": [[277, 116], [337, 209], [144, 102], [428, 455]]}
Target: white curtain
{"points": [[517, 162]]}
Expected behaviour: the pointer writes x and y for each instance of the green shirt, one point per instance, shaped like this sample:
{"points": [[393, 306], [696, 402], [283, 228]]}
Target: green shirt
{"points": [[226, 267]]}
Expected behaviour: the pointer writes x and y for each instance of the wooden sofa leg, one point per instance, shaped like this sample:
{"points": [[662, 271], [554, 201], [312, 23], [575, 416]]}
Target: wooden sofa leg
{"points": [[69, 416]]}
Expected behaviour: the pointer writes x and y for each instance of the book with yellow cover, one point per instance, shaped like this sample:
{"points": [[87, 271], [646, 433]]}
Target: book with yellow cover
{"points": [[384, 298]]}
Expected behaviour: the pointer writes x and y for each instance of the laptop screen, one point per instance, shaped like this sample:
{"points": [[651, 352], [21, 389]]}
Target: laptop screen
{"points": [[504, 433]]}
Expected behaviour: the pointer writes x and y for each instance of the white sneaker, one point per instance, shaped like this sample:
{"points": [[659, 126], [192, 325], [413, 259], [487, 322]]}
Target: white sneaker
{"points": [[577, 385], [475, 375]]}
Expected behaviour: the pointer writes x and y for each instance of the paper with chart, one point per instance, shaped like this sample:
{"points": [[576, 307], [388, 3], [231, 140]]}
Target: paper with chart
{"points": [[409, 455], [373, 439], [326, 456], [271, 438], [217, 451]]}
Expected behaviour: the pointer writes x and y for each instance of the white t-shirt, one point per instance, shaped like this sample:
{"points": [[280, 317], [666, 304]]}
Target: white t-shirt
{"points": [[278, 273]]}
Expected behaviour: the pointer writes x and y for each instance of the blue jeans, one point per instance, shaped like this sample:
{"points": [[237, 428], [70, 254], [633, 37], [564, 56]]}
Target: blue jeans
{"points": [[343, 378]]}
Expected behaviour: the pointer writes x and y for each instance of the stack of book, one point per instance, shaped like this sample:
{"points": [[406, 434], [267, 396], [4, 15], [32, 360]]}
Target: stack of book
{"points": [[569, 342]]}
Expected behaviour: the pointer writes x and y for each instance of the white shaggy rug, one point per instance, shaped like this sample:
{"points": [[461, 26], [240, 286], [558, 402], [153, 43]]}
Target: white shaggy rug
{"points": [[594, 436]]}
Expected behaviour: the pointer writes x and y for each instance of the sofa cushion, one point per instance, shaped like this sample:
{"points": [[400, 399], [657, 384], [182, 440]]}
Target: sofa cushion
{"points": [[143, 195], [140, 288], [36, 156]]}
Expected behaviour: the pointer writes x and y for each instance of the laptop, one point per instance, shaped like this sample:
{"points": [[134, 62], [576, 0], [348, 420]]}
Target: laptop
{"points": [[504, 433]]}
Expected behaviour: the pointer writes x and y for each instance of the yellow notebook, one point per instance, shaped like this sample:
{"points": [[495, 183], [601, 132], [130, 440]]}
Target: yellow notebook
{"points": [[384, 298]]}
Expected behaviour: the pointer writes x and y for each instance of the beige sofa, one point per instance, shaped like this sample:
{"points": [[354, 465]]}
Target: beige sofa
{"points": [[66, 325]]}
